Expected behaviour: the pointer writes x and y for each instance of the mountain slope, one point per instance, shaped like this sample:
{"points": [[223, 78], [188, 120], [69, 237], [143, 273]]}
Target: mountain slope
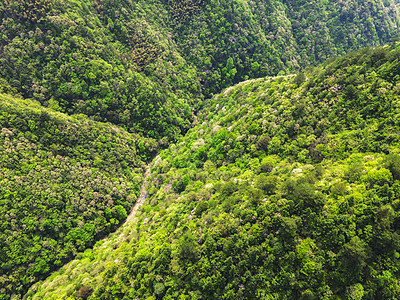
{"points": [[65, 51], [231, 41], [146, 65], [287, 187], [65, 182]]}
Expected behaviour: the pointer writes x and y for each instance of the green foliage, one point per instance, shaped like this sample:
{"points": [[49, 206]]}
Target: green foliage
{"points": [[180, 185], [267, 183], [393, 164], [299, 79], [352, 260], [380, 176], [184, 9], [290, 194], [355, 292], [99, 58], [282, 189], [146, 65], [65, 182], [266, 166], [159, 289], [354, 171], [231, 41]]}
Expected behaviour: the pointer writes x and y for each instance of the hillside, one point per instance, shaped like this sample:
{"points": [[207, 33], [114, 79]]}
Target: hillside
{"points": [[286, 188], [91, 91], [65, 183], [67, 52], [148, 65]]}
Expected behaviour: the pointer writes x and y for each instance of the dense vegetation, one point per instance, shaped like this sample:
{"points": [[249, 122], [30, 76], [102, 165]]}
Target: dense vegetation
{"points": [[67, 56], [287, 188], [231, 41], [241, 204], [65, 182], [146, 65]]}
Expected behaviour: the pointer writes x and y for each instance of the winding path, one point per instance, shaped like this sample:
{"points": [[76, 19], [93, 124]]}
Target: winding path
{"points": [[142, 196], [118, 235]]}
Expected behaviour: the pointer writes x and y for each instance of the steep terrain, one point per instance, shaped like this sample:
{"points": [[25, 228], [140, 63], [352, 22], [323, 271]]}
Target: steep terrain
{"points": [[287, 187], [68, 54], [147, 65], [145, 69], [65, 182]]}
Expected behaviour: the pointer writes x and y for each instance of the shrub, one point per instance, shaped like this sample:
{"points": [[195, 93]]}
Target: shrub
{"points": [[393, 164], [380, 176], [354, 171], [266, 183], [180, 185], [84, 292], [265, 167], [263, 142]]}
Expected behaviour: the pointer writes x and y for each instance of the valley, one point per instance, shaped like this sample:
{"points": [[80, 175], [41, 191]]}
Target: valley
{"points": [[199, 149]]}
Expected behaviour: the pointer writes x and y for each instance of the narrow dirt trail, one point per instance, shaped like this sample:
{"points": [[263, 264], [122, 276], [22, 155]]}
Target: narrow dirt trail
{"points": [[142, 196], [118, 236]]}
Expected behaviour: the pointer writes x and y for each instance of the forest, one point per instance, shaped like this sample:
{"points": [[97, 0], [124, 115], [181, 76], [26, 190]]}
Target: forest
{"points": [[147, 66], [271, 128], [287, 188], [65, 182]]}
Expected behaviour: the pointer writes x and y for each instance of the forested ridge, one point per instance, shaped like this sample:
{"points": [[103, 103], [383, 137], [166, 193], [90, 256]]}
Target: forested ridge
{"points": [[147, 65], [65, 182], [281, 186], [287, 188]]}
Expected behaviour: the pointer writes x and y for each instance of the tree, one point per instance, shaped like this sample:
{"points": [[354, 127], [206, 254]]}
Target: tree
{"points": [[84, 292], [267, 183], [121, 212], [352, 259], [180, 185], [392, 162]]}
